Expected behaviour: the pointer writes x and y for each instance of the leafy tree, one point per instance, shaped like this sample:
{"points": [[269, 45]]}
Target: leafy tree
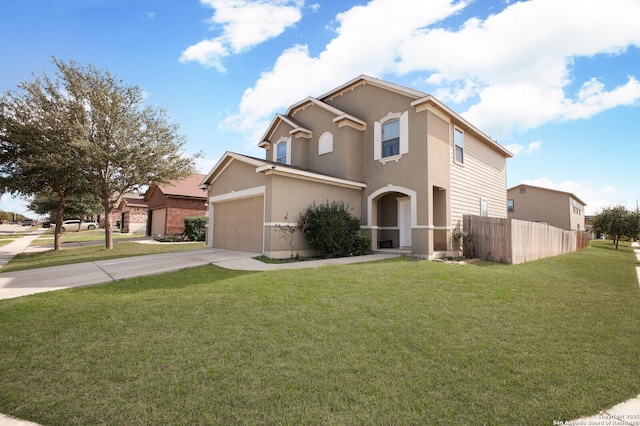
{"points": [[86, 132], [616, 222], [129, 145], [634, 224], [331, 229], [39, 147], [81, 205]]}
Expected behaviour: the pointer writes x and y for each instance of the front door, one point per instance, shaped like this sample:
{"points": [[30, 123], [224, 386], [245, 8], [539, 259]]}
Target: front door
{"points": [[404, 221]]}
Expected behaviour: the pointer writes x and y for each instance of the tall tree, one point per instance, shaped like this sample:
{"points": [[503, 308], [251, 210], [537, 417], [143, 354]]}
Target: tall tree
{"points": [[46, 203], [39, 146], [614, 221], [130, 145]]}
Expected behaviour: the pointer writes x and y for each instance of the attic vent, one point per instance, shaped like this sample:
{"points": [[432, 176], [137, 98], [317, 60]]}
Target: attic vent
{"points": [[523, 190]]}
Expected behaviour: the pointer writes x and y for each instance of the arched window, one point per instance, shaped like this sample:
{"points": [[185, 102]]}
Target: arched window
{"points": [[325, 143]]}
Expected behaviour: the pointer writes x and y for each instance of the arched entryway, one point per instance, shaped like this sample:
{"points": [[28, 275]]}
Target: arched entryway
{"points": [[391, 216]]}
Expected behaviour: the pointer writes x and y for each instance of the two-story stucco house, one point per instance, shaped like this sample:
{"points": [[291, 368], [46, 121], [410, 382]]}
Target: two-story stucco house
{"points": [[536, 204], [406, 164]]}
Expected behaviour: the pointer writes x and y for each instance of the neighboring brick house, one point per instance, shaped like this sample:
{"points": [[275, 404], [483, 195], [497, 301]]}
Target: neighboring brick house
{"points": [[536, 204], [169, 204], [132, 214], [407, 165]]}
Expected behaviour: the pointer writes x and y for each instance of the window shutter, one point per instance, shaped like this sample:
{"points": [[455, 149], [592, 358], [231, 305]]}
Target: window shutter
{"points": [[289, 143], [377, 140], [404, 133]]}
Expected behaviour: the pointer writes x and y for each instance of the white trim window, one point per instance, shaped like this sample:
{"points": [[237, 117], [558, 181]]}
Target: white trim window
{"points": [[325, 143], [282, 151], [484, 207], [391, 137], [458, 142], [511, 207]]}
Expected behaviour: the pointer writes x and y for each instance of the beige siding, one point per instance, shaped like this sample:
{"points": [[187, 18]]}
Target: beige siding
{"points": [[537, 204], [482, 176]]}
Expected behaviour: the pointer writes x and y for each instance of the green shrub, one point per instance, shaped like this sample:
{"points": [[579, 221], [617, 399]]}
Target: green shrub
{"points": [[331, 229], [361, 246], [194, 228]]}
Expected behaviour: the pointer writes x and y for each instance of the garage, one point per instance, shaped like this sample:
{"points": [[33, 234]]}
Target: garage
{"points": [[239, 224], [158, 221]]}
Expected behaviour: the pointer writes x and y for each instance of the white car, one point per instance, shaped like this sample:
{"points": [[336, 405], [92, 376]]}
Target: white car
{"points": [[78, 225]]}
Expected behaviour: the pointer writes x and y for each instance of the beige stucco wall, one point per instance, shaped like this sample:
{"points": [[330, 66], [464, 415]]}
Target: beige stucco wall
{"points": [[236, 176], [441, 190], [289, 197]]}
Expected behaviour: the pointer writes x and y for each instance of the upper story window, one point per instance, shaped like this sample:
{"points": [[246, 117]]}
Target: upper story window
{"points": [[282, 151], [325, 143], [391, 137], [510, 206], [458, 139]]}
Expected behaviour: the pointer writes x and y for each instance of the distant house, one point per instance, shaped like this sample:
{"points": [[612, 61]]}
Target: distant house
{"points": [[169, 204], [536, 204], [132, 214], [406, 164]]}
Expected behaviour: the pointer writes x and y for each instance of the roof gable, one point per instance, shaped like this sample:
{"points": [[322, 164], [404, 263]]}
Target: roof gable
{"points": [[224, 162], [296, 131], [187, 187], [557, 191]]}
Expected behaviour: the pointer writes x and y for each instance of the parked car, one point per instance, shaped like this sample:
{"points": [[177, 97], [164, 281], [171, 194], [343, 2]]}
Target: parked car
{"points": [[78, 225]]}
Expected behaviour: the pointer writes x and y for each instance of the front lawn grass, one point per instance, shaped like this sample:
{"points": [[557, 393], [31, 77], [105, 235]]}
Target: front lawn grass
{"points": [[393, 342], [79, 236], [68, 256]]}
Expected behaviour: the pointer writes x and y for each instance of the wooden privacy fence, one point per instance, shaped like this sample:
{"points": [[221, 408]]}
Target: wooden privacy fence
{"points": [[514, 241]]}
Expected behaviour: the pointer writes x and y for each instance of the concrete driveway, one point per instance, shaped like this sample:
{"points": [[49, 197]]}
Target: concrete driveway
{"points": [[22, 283]]}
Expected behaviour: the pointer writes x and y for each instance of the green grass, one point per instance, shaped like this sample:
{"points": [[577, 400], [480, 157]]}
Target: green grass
{"points": [[68, 256], [81, 236], [394, 342]]}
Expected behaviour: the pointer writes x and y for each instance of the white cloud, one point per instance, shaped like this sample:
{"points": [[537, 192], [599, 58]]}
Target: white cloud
{"points": [[592, 98], [358, 48], [205, 165], [245, 24], [515, 148], [534, 147], [514, 67]]}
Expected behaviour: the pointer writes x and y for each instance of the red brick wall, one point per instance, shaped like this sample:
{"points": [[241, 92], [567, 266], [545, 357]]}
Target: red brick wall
{"points": [[157, 200], [178, 209]]}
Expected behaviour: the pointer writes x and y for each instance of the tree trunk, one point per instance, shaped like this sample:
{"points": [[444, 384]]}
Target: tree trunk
{"points": [[57, 244], [108, 231]]}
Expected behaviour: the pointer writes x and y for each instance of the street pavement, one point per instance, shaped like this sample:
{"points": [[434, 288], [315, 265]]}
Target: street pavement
{"points": [[22, 283]]}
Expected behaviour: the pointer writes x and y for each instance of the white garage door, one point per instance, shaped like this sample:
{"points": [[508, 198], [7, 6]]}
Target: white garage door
{"points": [[158, 220], [239, 224]]}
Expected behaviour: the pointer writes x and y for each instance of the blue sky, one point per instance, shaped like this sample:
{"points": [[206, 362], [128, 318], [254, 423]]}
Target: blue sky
{"points": [[555, 81]]}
